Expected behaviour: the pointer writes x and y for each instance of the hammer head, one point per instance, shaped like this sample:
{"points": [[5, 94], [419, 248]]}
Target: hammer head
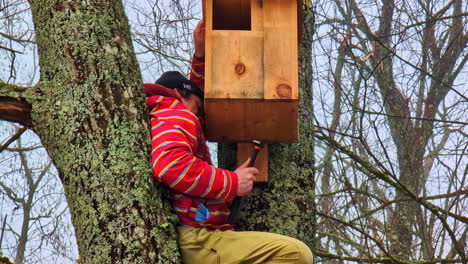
{"points": [[258, 145]]}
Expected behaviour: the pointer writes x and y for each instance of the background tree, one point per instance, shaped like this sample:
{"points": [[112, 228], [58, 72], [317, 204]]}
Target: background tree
{"points": [[37, 210], [393, 170]]}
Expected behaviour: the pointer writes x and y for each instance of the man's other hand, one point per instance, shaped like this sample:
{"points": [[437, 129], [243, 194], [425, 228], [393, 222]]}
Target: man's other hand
{"points": [[246, 177], [199, 40]]}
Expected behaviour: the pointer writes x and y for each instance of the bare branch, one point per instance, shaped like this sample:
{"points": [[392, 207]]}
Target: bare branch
{"points": [[328, 255], [13, 138], [392, 180], [18, 40]]}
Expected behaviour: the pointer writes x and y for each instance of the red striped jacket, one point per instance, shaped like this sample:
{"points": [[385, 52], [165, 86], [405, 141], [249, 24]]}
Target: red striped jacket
{"points": [[201, 193]]}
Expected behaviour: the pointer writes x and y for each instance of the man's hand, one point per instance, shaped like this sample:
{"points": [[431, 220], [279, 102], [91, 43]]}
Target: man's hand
{"points": [[246, 177], [199, 40]]}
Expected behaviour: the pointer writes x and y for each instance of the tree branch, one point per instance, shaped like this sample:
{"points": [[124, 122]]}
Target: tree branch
{"points": [[18, 40], [13, 138], [13, 104], [390, 179], [377, 242], [10, 193], [15, 110], [328, 255], [10, 50]]}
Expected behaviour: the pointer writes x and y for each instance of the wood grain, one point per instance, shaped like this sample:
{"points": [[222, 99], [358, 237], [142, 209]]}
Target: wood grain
{"points": [[280, 49], [237, 59], [241, 120]]}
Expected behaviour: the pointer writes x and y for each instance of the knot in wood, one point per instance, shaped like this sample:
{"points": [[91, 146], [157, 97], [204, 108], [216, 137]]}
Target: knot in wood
{"points": [[239, 68], [284, 91]]}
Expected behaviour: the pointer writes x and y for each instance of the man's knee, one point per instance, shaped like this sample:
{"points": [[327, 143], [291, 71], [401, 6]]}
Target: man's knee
{"points": [[295, 251], [305, 254]]}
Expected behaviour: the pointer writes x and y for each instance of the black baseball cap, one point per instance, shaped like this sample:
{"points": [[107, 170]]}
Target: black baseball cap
{"points": [[174, 79]]}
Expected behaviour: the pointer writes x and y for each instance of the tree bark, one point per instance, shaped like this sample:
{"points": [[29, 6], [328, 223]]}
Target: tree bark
{"points": [[89, 111]]}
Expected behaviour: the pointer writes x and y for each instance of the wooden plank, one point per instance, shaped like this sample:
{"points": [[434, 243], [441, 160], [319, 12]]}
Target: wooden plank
{"points": [[245, 150], [237, 65], [270, 121], [280, 49], [257, 15], [208, 45], [224, 120], [300, 20]]}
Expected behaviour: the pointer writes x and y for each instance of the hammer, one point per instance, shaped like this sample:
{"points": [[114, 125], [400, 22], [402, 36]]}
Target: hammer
{"points": [[235, 206], [257, 147]]}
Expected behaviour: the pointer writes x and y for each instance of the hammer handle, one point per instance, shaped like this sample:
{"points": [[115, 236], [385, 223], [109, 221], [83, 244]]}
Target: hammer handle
{"points": [[254, 157], [235, 206]]}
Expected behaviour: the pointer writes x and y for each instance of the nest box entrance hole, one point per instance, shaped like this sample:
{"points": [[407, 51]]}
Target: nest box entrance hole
{"points": [[232, 15]]}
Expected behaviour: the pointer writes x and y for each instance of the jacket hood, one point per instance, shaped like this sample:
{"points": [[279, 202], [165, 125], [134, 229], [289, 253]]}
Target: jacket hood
{"points": [[154, 91]]}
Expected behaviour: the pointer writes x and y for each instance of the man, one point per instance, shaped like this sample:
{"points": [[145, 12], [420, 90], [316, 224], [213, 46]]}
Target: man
{"points": [[201, 193]]}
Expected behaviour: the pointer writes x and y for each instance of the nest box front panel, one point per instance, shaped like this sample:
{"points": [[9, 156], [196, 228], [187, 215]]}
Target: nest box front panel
{"points": [[251, 70]]}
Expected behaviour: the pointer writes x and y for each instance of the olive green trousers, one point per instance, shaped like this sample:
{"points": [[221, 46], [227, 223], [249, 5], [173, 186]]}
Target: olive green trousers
{"points": [[202, 246]]}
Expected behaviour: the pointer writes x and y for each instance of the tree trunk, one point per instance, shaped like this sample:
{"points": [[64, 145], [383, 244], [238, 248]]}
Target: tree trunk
{"points": [[286, 205], [89, 111], [23, 238]]}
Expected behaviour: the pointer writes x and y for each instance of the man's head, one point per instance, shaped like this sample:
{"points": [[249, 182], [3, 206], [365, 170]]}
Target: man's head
{"points": [[192, 96]]}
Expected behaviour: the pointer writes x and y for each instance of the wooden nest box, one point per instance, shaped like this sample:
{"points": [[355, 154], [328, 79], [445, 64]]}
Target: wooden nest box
{"points": [[251, 82]]}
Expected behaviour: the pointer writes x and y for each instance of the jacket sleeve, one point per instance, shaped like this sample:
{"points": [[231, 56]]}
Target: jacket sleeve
{"points": [[197, 73], [173, 141]]}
